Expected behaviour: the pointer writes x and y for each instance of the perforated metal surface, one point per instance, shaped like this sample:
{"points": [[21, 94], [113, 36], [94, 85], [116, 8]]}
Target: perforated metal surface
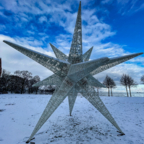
{"points": [[87, 55], [75, 55]]}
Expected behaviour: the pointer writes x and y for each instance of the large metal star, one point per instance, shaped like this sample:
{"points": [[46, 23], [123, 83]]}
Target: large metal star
{"points": [[73, 74]]}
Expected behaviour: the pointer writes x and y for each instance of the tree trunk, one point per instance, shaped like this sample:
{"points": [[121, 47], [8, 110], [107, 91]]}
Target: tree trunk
{"points": [[108, 91], [23, 85], [21, 89], [111, 92], [29, 91], [127, 92], [130, 91]]}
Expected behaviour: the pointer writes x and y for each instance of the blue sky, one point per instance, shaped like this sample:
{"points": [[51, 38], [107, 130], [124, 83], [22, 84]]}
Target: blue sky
{"points": [[113, 27]]}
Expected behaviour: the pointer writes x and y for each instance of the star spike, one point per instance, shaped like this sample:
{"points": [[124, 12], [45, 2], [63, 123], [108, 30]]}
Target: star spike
{"points": [[81, 70], [60, 55], [57, 66], [94, 82], [72, 98], [113, 62], [75, 55], [56, 99], [51, 80], [87, 54], [90, 94]]}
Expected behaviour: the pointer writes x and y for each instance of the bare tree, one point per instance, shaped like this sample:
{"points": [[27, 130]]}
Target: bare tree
{"points": [[142, 79], [32, 81], [131, 83], [12, 84], [124, 82], [25, 75], [5, 80], [15, 83], [107, 82], [112, 85], [36, 79], [128, 82]]}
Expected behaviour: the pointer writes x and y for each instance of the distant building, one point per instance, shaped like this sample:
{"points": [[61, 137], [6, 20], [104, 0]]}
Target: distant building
{"points": [[0, 67]]}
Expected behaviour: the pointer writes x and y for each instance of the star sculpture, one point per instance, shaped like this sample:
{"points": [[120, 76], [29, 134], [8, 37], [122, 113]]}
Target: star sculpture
{"points": [[73, 74]]}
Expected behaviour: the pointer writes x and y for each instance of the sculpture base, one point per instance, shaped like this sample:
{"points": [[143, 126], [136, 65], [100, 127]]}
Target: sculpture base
{"points": [[120, 133], [29, 140]]}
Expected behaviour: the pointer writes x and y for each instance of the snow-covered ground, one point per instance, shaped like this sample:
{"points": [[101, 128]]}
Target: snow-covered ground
{"points": [[20, 113]]}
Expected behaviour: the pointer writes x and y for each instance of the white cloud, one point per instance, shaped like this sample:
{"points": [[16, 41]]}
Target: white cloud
{"points": [[108, 49], [126, 7], [2, 27], [97, 32], [43, 19], [138, 59], [140, 8]]}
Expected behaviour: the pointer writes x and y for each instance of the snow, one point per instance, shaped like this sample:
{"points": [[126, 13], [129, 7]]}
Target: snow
{"points": [[20, 113]]}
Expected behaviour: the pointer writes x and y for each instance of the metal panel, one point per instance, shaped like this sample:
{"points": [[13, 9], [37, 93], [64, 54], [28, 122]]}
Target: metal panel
{"points": [[57, 66], [113, 62], [75, 55], [87, 55], [60, 55]]}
